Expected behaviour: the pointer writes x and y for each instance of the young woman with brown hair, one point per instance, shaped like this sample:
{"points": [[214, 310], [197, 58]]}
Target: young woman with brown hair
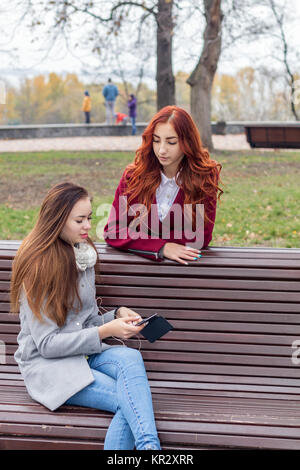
{"points": [[61, 351], [161, 194]]}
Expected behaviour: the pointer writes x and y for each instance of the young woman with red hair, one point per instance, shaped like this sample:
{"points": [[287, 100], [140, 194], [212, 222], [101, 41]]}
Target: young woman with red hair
{"points": [[165, 203]]}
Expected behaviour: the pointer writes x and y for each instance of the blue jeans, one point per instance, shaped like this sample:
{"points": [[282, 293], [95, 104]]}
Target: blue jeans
{"points": [[121, 386], [133, 125]]}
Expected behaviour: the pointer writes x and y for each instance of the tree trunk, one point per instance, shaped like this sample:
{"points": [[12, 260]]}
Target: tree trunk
{"points": [[164, 73], [202, 77]]}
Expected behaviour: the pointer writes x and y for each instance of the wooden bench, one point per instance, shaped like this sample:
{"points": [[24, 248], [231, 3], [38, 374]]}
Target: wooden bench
{"points": [[273, 134], [223, 378]]}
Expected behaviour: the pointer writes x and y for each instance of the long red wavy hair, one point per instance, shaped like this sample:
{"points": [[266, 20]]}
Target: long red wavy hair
{"points": [[199, 175]]}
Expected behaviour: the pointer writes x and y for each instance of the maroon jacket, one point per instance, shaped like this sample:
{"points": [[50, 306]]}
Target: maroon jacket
{"points": [[154, 234]]}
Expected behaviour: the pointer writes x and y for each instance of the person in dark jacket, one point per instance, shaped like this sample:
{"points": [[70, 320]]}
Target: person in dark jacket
{"points": [[132, 112]]}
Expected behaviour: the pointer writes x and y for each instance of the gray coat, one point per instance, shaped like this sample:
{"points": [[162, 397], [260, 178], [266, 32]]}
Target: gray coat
{"points": [[52, 360]]}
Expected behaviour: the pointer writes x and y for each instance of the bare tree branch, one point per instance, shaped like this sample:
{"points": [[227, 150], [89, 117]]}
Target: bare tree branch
{"points": [[279, 17]]}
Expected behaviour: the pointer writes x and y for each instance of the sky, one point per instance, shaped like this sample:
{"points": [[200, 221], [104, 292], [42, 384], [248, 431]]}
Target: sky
{"points": [[33, 58]]}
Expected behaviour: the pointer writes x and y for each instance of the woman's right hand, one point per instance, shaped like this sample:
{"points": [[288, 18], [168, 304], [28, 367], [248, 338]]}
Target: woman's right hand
{"points": [[120, 327], [180, 253]]}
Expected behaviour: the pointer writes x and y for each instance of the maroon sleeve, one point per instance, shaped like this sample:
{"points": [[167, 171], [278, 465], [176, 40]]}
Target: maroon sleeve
{"points": [[210, 208], [202, 236], [117, 233]]}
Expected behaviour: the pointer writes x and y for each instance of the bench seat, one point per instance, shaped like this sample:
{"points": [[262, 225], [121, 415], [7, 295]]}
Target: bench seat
{"points": [[223, 378]]}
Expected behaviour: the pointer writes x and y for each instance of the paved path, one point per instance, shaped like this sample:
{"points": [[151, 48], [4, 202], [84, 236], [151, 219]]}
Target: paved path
{"points": [[126, 143]]}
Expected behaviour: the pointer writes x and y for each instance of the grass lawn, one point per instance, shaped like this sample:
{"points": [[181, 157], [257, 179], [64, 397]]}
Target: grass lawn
{"points": [[259, 206]]}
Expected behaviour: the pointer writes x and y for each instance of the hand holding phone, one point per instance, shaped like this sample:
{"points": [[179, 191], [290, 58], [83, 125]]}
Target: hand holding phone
{"points": [[145, 320]]}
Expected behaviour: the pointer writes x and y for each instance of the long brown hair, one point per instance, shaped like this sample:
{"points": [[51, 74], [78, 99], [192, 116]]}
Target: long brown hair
{"points": [[45, 265], [199, 176]]}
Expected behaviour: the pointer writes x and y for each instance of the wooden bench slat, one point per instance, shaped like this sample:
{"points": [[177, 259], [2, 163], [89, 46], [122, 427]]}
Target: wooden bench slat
{"points": [[33, 443], [167, 400], [193, 346], [224, 387], [7, 319], [227, 288], [218, 337], [183, 442], [195, 430], [233, 284], [134, 302], [104, 248], [191, 323], [229, 394], [218, 358], [199, 294], [256, 263], [234, 339], [215, 358], [167, 294], [217, 272], [285, 262], [196, 417], [212, 259], [45, 430], [150, 304], [226, 369], [16, 376], [13, 373], [212, 254], [201, 378], [233, 441]]}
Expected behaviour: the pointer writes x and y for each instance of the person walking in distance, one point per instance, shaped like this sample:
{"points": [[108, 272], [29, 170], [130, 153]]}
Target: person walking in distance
{"points": [[86, 107], [132, 112], [110, 93]]}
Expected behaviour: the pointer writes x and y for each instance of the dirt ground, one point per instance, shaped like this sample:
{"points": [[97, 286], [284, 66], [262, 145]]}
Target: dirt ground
{"points": [[125, 143]]}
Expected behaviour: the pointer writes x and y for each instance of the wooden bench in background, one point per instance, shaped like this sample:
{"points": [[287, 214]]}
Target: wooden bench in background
{"points": [[273, 134], [223, 378]]}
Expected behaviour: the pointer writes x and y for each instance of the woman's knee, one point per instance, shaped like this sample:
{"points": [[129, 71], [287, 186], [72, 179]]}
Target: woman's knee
{"points": [[129, 355]]}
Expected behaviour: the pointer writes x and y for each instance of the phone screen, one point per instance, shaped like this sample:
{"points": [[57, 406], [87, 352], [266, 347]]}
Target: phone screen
{"points": [[145, 320]]}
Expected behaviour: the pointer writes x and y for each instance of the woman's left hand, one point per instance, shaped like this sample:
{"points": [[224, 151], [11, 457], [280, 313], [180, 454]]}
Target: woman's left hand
{"points": [[127, 312]]}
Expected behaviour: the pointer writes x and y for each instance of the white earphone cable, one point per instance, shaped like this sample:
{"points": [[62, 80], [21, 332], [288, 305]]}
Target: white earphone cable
{"points": [[100, 307]]}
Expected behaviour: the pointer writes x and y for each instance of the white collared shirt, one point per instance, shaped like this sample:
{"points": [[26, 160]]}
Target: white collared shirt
{"points": [[165, 195]]}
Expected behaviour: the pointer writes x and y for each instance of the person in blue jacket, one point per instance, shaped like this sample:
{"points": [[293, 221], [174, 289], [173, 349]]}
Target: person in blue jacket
{"points": [[110, 93], [132, 112]]}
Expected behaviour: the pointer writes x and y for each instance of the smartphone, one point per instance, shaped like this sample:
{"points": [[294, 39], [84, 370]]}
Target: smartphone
{"points": [[145, 320]]}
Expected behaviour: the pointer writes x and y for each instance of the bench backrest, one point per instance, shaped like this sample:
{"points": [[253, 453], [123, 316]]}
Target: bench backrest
{"points": [[273, 135], [235, 314]]}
